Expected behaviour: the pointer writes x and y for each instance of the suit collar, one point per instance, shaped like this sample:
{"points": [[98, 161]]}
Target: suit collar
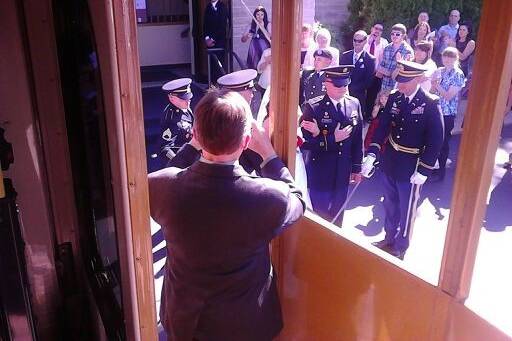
{"points": [[218, 170]]}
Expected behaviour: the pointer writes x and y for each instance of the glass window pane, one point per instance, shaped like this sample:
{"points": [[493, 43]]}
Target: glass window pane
{"points": [[403, 207], [490, 295]]}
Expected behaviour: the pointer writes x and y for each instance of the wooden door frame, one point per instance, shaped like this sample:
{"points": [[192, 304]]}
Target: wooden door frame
{"points": [[493, 69], [115, 34]]}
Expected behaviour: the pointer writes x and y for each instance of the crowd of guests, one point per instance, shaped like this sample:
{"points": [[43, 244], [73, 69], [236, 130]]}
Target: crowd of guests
{"points": [[447, 55]]}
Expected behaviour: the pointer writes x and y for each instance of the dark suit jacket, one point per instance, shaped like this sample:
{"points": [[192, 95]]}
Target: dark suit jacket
{"points": [[362, 74], [249, 160], [215, 23], [217, 222]]}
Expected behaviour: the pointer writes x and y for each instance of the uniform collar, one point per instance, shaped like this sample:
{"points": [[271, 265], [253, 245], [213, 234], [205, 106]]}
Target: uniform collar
{"points": [[334, 102], [214, 4], [411, 97]]}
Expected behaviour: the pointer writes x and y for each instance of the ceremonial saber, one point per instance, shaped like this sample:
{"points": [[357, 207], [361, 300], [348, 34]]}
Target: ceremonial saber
{"points": [[346, 202], [263, 30], [411, 206]]}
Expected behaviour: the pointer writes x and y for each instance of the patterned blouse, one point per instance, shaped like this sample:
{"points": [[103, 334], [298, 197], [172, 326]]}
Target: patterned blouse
{"points": [[448, 78], [389, 62]]}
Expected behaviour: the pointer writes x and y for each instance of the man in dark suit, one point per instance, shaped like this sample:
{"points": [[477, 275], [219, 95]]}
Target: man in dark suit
{"points": [[215, 26], [411, 127], [217, 220], [363, 72]]}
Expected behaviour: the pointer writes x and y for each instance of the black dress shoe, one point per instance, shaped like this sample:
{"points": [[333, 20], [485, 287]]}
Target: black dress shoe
{"points": [[383, 244], [396, 253]]}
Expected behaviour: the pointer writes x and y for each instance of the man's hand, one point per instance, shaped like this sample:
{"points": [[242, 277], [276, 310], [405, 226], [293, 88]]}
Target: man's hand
{"points": [[260, 141], [210, 42], [342, 134], [418, 178], [367, 166], [356, 178], [312, 127]]}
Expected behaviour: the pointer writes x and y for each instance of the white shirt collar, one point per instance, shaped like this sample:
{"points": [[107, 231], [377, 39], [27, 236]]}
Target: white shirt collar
{"points": [[411, 97], [357, 55], [229, 163], [214, 4], [335, 102]]}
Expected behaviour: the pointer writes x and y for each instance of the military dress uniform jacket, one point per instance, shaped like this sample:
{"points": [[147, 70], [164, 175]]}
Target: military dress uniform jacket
{"points": [[330, 163], [310, 85], [415, 135], [217, 221], [176, 130]]}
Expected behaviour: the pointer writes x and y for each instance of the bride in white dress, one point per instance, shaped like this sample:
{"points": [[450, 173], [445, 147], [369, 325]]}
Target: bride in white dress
{"points": [[301, 178]]}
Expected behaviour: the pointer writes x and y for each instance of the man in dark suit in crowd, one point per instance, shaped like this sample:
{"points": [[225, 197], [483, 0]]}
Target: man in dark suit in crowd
{"points": [[364, 69], [217, 220], [215, 27]]}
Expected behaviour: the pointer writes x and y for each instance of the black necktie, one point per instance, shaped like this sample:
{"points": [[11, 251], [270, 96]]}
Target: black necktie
{"points": [[338, 108]]}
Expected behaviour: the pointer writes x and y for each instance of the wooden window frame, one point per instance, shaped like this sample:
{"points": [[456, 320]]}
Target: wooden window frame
{"points": [[490, 86]]}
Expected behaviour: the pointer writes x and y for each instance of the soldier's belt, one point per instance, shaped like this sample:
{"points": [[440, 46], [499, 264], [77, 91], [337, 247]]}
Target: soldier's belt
{"points": [[403, 149]]}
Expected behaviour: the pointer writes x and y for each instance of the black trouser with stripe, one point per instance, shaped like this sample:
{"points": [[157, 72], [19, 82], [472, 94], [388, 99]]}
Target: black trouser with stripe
{"points": [[400, 200]]}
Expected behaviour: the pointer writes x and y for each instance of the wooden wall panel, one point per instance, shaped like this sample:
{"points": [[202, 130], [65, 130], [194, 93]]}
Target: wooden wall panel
{"points": [[336, 290]]}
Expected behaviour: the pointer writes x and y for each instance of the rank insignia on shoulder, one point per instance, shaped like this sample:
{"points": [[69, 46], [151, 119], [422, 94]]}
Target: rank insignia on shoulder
{"points": [[326, 114], [166, 135]]}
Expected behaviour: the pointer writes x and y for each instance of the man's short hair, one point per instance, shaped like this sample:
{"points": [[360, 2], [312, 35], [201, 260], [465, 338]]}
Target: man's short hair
{"points": [[399, 27], [361, 33], [222, 119]]}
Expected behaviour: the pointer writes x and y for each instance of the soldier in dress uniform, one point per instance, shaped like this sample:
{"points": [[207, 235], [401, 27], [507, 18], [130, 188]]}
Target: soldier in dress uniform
{"points": [[332, 129], [241, 81], [311, 79], [413, 125], [176, 124]]}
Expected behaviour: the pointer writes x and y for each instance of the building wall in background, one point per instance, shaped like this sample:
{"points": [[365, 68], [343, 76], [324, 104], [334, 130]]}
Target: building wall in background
{"points": [[163, 44], [332, 14], [241, 20]]}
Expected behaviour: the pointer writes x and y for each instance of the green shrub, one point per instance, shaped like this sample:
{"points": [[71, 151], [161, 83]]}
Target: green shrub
{"points": [[363, 13]]}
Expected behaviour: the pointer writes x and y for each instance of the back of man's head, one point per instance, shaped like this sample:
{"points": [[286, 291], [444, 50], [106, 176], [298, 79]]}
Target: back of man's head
{"points": [[222, 120]]}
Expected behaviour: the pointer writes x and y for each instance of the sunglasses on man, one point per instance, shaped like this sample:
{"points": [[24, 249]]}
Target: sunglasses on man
{"points": [[359, 40]]}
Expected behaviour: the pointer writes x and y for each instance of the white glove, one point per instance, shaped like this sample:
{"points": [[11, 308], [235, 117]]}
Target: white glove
{"points": [[418, 178], [367, 166]]}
